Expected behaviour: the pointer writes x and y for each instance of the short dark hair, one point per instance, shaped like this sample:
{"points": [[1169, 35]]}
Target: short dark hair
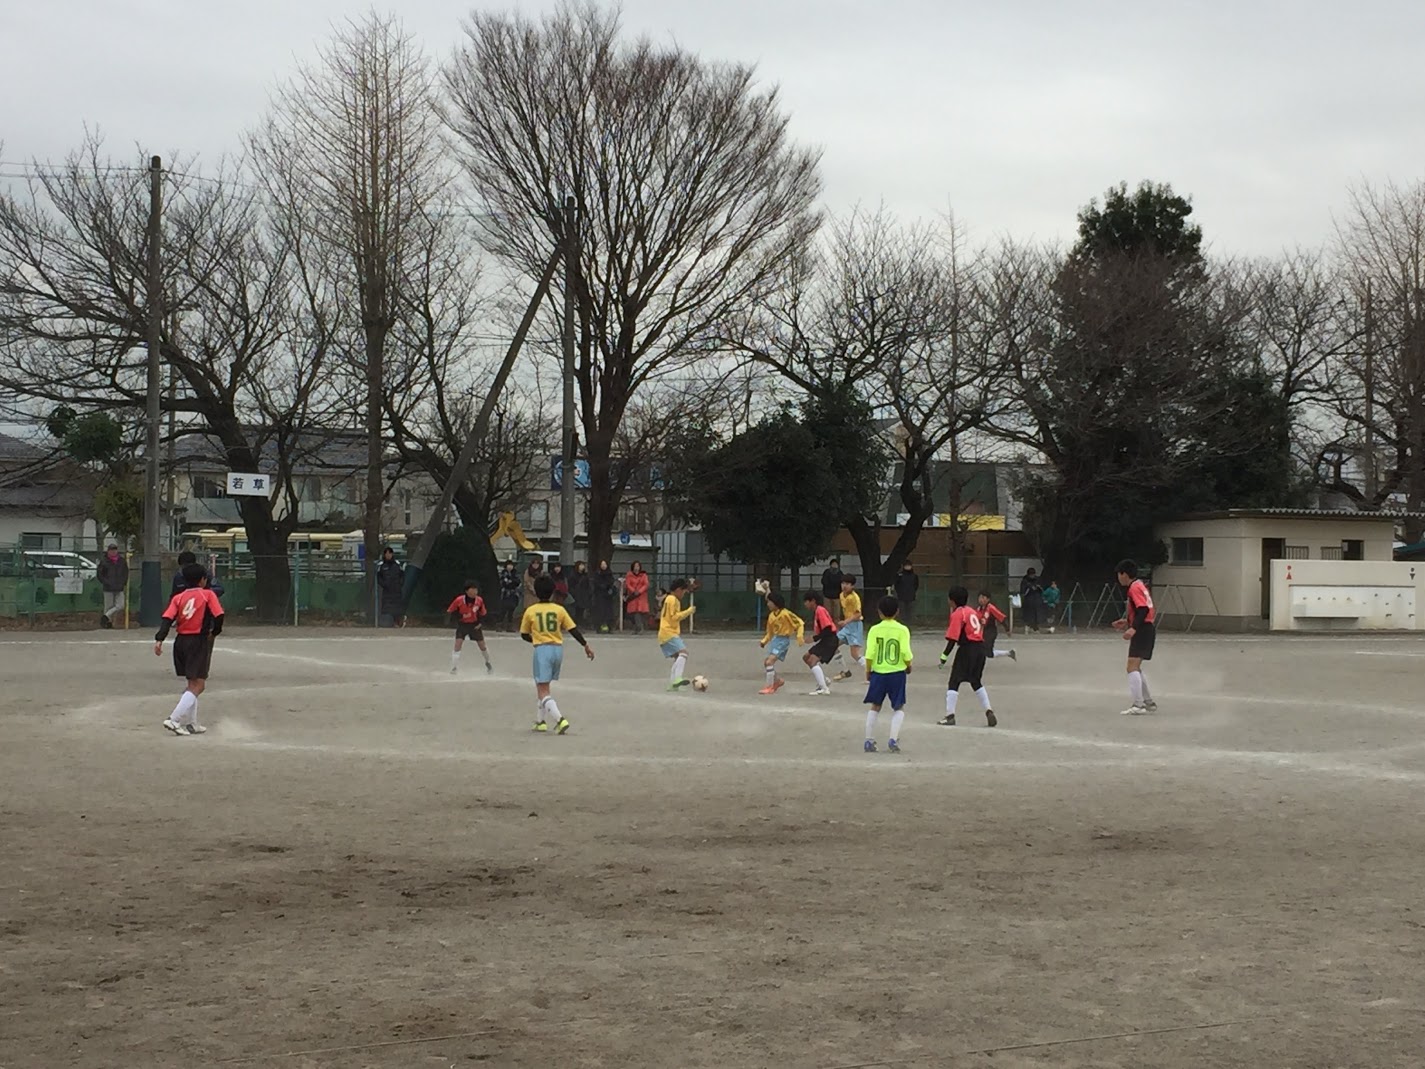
{"points": [[470, 583], [677, 584], [776, 598], [544, 588], [959, 595], [834, 560], [814, 597], [889, 606], [194, 574], [1128, 568], [847, 577], [187, 557], [985, 594]]}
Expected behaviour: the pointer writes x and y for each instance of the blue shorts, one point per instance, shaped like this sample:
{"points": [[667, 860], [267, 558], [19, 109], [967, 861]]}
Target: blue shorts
{"points": [[886, 687], [547, 661], [853, 634], [779, 646], [673, 647]]}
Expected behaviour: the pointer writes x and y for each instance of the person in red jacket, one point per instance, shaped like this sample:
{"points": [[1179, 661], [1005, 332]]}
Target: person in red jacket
{"points": [[197, 615], [467, 613], [991, 617], [635, 596]]}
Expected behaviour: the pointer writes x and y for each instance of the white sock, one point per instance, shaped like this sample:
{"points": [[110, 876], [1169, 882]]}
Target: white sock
{"points": [[951, 697], [1001, 653], [896, 721], [818, 675], [454, 658], [551, 708], [187, 706], [861, 661], [1135, 687], [680, 662], [984, 697], [870, 723], [1147, 694], [771, 671], [486, 654]]}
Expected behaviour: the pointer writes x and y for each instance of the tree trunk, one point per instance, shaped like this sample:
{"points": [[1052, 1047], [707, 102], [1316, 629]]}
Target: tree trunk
{"points": [[867, 539], [375, 484], [267, 539], [603, 501]]}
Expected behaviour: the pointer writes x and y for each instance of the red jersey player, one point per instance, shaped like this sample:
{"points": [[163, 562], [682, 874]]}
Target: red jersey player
{"points": [[1138, 629], [197, 616], [825, 642], [967, 631], [991, 618], [467, 612]]}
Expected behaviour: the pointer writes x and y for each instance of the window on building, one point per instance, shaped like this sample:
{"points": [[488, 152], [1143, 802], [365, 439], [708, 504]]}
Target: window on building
{"points": [[204, 487], [1297, 553], [1353, 549], [534, 516], [1187, 551], [1333, 553], [40, 540]]}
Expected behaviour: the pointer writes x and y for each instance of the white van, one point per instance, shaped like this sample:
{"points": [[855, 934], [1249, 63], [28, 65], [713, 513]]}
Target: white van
{"points": [[58, 562]]}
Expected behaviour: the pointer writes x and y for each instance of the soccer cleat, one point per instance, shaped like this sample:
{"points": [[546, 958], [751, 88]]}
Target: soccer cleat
{"points": [[840, 676], [893, 746], [990, 720], [562, 727], [195, 729], [1150, 705], [870, 746], [177, 729], [819, 691], [453, 669], [947, 721], [768, 690], [1013, 656], [489, 668], [541, 726], [679, 684], [1133, 710]]}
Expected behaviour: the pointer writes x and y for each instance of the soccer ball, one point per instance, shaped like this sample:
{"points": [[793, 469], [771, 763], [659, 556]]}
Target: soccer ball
{"points": [[763, 587], [700, 682]]}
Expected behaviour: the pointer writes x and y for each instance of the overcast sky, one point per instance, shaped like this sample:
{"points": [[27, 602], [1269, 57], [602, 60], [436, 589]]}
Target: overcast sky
{"points": [[1014, 113]]}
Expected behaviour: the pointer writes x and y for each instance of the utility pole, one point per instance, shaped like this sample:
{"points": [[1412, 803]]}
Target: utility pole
{"points": [[151, 588], [568, 463], [1370, 375]]}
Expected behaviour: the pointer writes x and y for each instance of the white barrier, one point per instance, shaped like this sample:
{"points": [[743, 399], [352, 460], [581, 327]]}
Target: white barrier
{"points": [[1333, 595]]}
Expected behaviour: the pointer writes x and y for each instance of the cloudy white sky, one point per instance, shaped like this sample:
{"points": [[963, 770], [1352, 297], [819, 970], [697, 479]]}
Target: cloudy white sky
{"points": [[1014, 113]]}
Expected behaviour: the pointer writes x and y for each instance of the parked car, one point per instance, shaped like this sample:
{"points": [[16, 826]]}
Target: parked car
{"points": [[57, 562]]}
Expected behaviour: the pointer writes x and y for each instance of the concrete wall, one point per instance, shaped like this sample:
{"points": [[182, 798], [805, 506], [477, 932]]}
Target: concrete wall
{"points": [[74, 530], [1316, 595]]}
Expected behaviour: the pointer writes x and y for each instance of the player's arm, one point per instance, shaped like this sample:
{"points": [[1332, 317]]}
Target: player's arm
{"points": [[215, 616], [801, 631], [164, 625], [578, 636], [767, 634], [525, 626]]}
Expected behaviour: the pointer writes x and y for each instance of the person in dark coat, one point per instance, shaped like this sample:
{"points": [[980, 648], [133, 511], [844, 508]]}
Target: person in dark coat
{"points": [[561, 583], [510, 591], [113, 575], [391, 583], [1031, 599], [180, 584], [581, 593], [906, 586], [831, 580], [605, 597]]}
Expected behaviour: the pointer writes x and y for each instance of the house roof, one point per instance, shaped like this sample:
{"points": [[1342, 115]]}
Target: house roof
{"points": [[1298, 514]]}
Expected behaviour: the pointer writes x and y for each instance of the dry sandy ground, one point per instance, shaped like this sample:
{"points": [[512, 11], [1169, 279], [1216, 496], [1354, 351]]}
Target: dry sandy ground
{"points": [[369, 863]]}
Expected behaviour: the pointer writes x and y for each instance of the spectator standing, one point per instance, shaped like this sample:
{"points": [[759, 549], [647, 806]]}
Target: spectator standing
{"points": [[114, 581], [581, 592], [561, 582], [906, 586], [605, 597], [509, 593], [1031, 599], [635, 596], [533, 572], [391, 583], [831, 580]]}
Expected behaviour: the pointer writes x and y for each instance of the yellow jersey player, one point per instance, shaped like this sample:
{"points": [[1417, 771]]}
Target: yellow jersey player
{"points": [[670, 631], [853, 625], [543, 626], [889, 666], [782, 626]]}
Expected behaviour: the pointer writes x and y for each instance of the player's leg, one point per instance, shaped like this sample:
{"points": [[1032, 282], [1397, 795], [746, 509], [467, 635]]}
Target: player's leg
{"points": [[678, 653], [977, 684], [769, 670], [196, 687], [1135, 687], [455, 654], [542, 699], [484, 650], [897, 722], [872, 711]]}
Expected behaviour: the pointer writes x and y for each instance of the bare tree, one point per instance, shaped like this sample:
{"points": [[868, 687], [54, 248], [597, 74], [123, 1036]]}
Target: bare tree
{"points": [[351, 158], [251, 365], [1380, 388], [692, 198]]}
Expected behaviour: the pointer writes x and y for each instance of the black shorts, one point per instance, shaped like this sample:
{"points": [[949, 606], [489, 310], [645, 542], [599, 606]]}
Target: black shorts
{"points": [[989, 642], [1141, 644], [968, 666], [463, 631], [824, 648], [192, 655]]}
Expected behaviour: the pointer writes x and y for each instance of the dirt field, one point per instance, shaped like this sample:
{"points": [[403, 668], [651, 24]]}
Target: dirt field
{"points": [[367, 862]]}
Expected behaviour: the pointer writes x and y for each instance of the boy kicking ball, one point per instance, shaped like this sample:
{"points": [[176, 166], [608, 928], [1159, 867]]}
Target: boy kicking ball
{"points": [[888, 664], [467, 612], [782, 626], [670, 632], [1140, 633], [543, 627], [197, 615]]}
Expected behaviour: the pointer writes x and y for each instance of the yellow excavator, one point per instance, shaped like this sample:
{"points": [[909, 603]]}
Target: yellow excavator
{"points": [[508, 525]]}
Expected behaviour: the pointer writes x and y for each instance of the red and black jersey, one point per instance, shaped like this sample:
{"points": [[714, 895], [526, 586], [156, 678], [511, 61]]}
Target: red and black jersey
{"points": [[966, 625], [470, 610], [990, 615], [1140, 604], [822, 622], [194, 611]]}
